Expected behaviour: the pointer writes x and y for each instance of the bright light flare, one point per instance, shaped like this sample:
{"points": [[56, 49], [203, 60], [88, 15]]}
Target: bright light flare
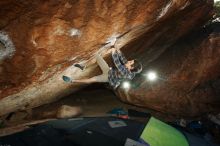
{"points": [[152, 76], [126, 85]]}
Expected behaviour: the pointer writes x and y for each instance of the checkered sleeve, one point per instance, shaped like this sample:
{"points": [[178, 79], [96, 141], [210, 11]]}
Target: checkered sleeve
{"points": [[121, 67], [122, 57]]}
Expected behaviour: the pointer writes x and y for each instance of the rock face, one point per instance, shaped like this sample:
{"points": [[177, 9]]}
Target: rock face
{"points": [[188, 78], [49, 36]]}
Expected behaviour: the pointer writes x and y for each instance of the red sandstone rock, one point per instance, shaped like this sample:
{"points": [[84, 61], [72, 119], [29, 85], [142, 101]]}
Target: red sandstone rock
{"points": [[49, 36]]}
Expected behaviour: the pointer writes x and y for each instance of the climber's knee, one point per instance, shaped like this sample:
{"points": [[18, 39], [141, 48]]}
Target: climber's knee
{"points": [[101, 78]]}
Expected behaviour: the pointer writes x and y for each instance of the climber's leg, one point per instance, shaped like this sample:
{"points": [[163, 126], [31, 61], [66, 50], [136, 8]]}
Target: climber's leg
{"points": [[100, 78], [103, 78], [102, 64]]}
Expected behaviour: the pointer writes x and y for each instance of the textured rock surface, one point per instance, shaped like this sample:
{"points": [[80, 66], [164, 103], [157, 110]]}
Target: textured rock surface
{"points": [[51, 35], [188, 83]]}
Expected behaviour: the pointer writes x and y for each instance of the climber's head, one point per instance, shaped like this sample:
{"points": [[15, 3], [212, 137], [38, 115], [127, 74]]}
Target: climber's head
{"points": [[134, 66]]}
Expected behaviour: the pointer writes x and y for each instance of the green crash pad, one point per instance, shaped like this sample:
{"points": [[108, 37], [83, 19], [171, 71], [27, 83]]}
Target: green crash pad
{"points": [[158, 133]]}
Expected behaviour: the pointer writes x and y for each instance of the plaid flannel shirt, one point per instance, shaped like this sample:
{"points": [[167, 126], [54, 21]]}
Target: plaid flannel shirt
{"points": [[120, 73]]}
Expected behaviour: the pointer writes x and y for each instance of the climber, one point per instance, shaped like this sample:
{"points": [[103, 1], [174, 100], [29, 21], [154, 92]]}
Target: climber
{"points": [[123, 70]]}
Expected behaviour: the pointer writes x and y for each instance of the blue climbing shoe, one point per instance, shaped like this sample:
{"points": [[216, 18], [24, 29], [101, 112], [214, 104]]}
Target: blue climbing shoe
{"points": [[67, 79]]}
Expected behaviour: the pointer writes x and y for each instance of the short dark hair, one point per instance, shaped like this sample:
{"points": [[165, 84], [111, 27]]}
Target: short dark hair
{"points": [[137, 66]]}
